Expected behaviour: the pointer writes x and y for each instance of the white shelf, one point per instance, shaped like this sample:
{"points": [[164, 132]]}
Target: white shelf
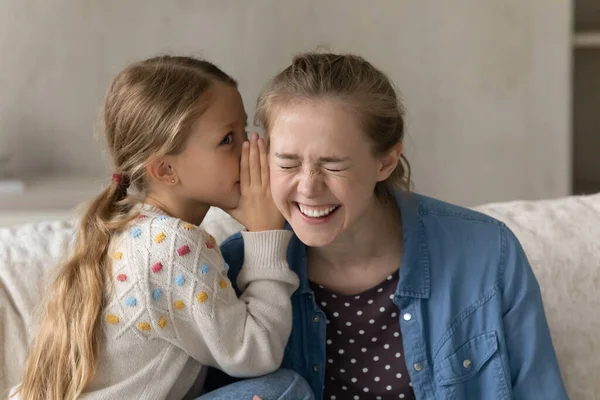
{"points": [[11, 218], [587, 40], [56, 193]]}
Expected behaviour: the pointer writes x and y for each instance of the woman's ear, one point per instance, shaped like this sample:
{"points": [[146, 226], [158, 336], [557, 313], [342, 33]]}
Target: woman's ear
{"points": [[161, 170], [389, 161]]}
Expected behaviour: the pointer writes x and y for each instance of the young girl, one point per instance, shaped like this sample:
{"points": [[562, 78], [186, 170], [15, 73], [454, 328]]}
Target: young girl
{"points": [[144, 304]]}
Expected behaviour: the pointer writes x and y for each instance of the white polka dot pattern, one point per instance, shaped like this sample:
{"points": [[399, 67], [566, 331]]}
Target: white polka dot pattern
{"points": [[364, 344]]}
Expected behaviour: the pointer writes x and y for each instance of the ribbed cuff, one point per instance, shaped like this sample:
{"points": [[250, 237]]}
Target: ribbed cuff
{"points": [[266, 249]]}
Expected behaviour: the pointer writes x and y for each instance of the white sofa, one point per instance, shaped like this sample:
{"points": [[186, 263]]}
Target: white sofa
{"points": [[561, 238]]}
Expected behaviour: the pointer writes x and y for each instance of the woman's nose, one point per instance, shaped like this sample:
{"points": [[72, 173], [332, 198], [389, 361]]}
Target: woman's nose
{"points": [[310, 184]]}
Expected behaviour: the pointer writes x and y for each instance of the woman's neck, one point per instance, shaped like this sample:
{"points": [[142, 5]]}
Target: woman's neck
{"points": [[377, 236]]}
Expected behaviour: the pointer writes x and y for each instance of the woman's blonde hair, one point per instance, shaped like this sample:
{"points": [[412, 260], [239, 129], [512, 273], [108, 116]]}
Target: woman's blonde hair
{"points": [[354, 83], [148, 112]]}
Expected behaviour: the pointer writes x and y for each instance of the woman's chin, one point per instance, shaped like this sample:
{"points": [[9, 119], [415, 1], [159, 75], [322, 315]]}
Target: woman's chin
{"points": [[315, 234], [311, 240]]}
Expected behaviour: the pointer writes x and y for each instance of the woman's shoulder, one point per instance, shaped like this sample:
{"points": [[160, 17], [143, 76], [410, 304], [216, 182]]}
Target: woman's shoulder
{"points": [[441, 219], [430, 207], [454, 230], [470, 239]]}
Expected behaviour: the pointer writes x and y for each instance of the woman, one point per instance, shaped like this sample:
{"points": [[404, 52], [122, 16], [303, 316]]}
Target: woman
{"points": [[401, 296]]}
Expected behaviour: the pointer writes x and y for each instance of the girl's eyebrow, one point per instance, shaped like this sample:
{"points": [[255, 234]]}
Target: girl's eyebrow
{"points": [[233, 124]]}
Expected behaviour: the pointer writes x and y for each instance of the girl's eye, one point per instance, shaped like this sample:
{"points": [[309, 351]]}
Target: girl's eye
{"points": [[286, 167], [227, 139], [333, 170]]}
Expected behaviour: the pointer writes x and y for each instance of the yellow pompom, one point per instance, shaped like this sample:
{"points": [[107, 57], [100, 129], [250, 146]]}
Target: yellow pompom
{"points": [[212, 240], [223, 284], [179, 304], [144, 326], [160, 237], [189, 227], [202, 297], [112, 319], [118, 255], [162, 322]]}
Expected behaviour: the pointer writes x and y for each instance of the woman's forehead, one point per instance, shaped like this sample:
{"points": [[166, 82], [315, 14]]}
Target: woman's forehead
{"points": [[316, 122], [318, 145]]}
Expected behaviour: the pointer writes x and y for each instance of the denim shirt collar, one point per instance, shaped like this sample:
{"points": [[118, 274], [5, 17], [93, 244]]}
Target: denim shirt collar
{"points": [[414, 267]]}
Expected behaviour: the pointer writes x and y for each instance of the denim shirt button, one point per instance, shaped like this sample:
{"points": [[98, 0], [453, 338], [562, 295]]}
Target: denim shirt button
{"points": [[316, 368], [467, 364], [316, 318], [418, 367], [407, 316]]}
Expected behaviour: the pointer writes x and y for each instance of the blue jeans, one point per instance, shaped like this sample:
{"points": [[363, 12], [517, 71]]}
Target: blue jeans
{"points": [[280, 385]]}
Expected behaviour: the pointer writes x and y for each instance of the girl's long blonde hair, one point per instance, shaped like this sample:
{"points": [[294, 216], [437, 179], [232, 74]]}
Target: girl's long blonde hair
{"points": [[148, 112]]}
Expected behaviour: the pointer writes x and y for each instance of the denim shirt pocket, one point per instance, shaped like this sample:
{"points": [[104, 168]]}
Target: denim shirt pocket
{"points": [[467, 361]]}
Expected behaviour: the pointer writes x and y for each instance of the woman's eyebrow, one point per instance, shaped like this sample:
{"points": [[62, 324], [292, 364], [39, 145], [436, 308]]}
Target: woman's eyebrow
{"points": [[329, 159], [287, 156], [333, 159]]}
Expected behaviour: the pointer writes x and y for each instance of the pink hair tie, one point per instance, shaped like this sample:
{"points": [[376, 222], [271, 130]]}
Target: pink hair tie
{"points": [[123, 181], [117, 178], [122, 185]]}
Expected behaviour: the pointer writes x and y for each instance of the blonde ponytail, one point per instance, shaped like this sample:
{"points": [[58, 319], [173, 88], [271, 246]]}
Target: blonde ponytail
{"points": [[64, 354]]}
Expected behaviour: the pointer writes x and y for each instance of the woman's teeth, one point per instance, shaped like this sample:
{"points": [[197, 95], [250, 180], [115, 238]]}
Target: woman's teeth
{"points": [[316, 212]]}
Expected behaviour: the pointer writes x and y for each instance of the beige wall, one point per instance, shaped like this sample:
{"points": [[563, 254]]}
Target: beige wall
{"points": [[486, 83]]}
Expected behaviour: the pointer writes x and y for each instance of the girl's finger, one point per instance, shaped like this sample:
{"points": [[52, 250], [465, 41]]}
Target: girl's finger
{"points": [[244, 169], [254, 162], [264, 163]]}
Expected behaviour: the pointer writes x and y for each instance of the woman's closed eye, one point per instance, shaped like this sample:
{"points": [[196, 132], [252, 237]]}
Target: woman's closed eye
{"points": [[336, 167], [287, 167], [329, 169]]}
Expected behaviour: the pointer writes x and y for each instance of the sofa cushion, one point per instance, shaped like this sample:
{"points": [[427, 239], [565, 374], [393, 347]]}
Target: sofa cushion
{"points": [[561, 238], [562, 241]]}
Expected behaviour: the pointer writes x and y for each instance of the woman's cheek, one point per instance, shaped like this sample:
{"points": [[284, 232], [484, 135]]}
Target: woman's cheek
{"points": [[278, 188]]}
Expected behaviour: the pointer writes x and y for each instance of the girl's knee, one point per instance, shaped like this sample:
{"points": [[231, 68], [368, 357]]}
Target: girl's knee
{"points": [[297, 387], [285, 376]]}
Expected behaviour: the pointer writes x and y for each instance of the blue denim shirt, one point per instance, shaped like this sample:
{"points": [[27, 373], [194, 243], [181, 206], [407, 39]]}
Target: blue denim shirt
{"points": [[471, 312]]}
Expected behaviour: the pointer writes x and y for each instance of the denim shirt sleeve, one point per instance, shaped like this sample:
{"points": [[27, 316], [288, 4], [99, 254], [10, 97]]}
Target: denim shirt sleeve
{"points": [[232, 250], [533, 365]]}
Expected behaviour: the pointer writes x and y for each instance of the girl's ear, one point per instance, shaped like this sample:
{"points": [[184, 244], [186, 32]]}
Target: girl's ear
{"points": [[161, 170]]}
